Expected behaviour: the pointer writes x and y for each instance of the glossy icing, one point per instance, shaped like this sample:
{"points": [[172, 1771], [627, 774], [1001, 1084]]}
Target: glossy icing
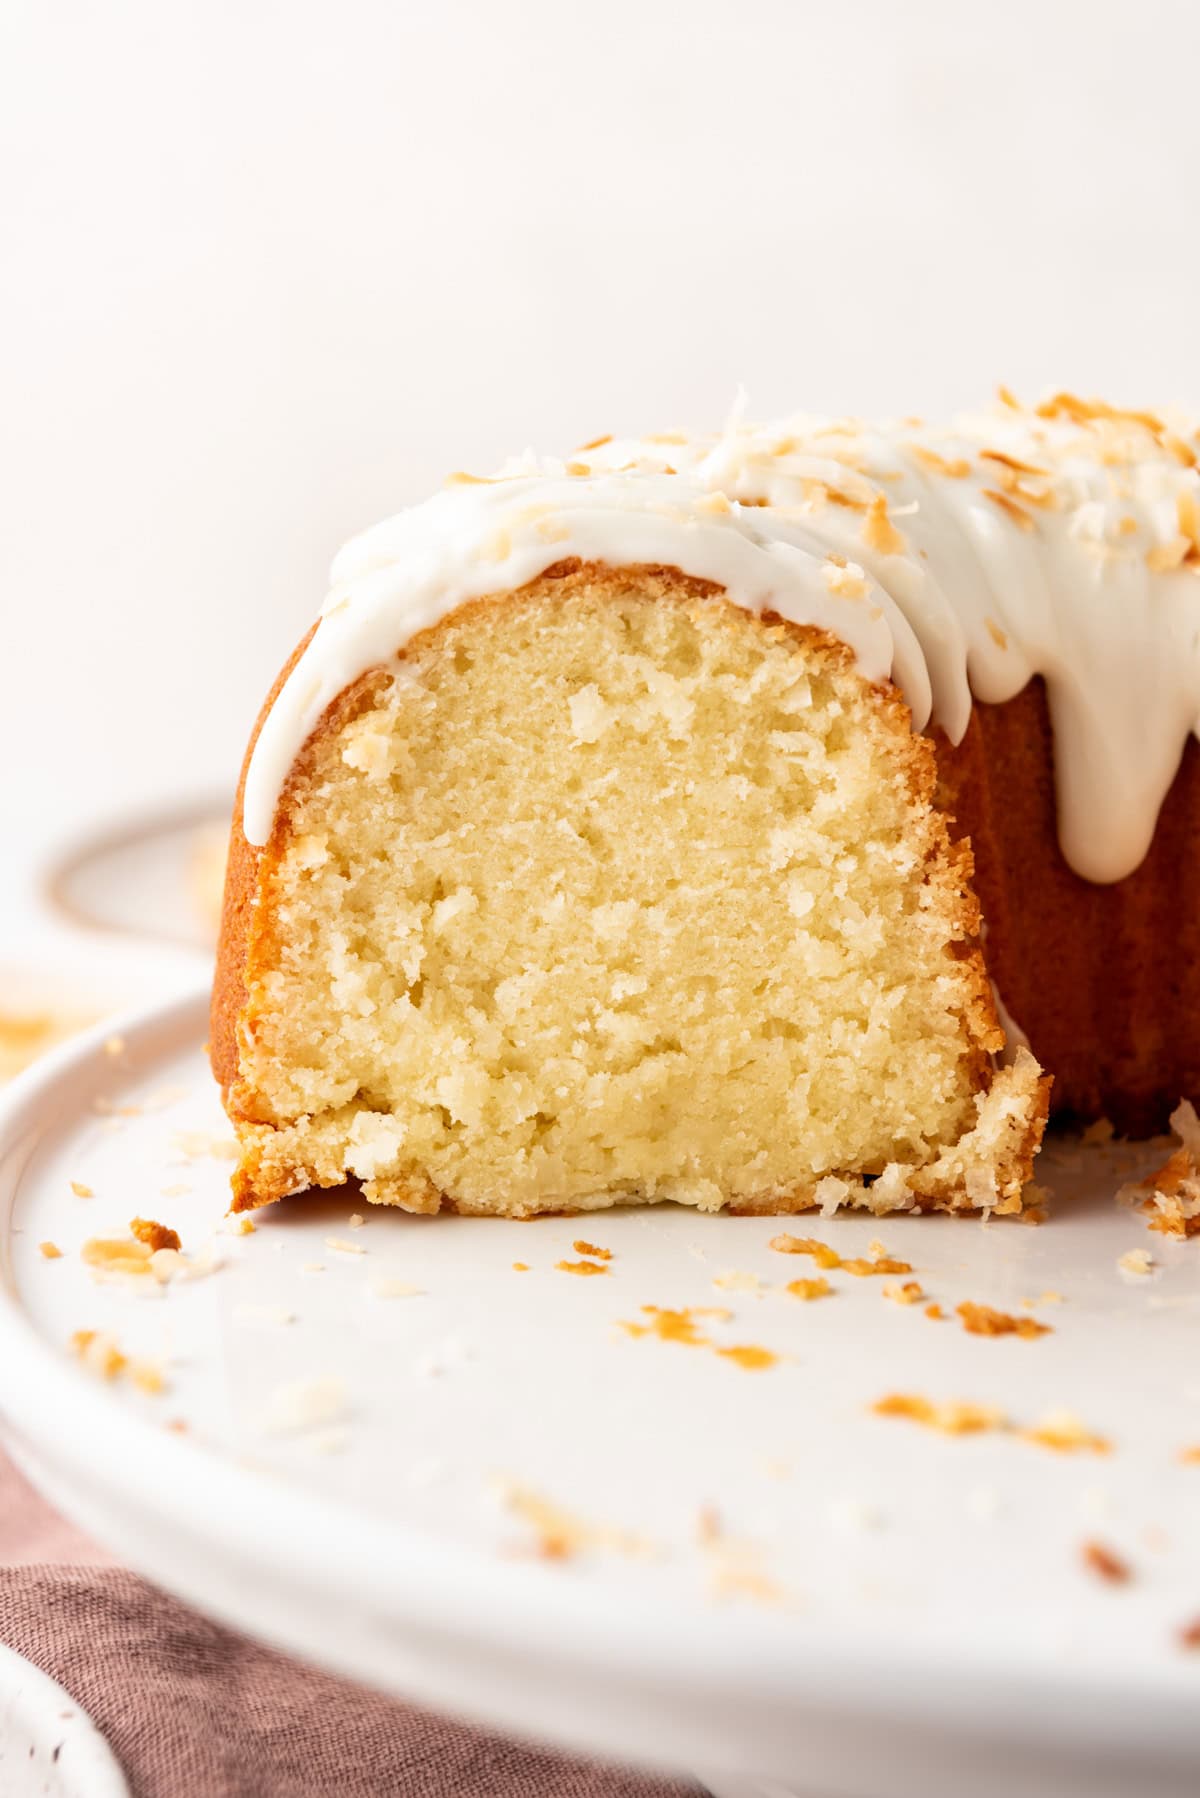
{"points": [[1062, 541]]}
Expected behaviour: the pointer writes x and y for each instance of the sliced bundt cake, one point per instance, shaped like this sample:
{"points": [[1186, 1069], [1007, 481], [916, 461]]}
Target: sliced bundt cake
{"points": [[586, 852]]}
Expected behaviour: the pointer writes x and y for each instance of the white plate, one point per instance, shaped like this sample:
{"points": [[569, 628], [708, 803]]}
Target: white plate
{"points": [[936, 1629], [49, 1746], [154, 876]]}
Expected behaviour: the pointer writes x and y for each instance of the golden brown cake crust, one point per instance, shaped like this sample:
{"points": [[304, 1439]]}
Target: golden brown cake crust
{"points": [[245, 936], [1104, 980], [241, 886]]}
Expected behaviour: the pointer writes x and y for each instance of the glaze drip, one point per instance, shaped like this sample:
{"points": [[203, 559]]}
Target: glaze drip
{"points": [[1062, 541]]}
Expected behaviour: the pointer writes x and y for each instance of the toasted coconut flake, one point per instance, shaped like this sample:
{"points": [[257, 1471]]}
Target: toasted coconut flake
{"points": [[98, 1351], [879, 532], [955, 468], [953, 1417], [116, 1255], [49, 1251], [581, 1267], [1007, 504], [343, 1246], [846, 579], [807, 1290], [1164, 557], [907, 1292], [81, 1190], [886, 1264], [1105, 1564], [154, 1235], [596, 442], [520, 1267], [821, 1252], [589, 1248], [1013, 462], [1063, 1431], [981, 1320], [561, 1534]]}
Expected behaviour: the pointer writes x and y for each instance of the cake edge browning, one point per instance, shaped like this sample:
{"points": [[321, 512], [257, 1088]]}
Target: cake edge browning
{"points": [[1012, 1102]]}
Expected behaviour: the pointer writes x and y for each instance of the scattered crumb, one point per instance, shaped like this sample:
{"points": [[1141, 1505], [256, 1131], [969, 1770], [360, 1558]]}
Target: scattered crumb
{"points": [[356, 1220], [981, 1320], [589, 1248], [821, 1252], [50, 1251], [1063, 1432], [953, 1417], [733, 1281], [907, 1292], [1170, 1197], [178, 1191], [749, 1357], [680, 1326], [1098, 1133], [520, 1267], [935, 1311], [192, 1144], [238, 1224], [155, 1236], [875, 1248], [1136, 1264], [824, 1256], [100, 1353], [312, 1267], [1189, 1635], [147, 1376], [581, 1267], [735, 1570], [1105, 1564], [343, 1247], [676, 1326], [263, 1314], [560, 1533], [121, 1257], [384, 1286], [809, 1289], [1190, 1457], [81, 1191], [1045, 1298], [116, 1255], [302, 1405]]}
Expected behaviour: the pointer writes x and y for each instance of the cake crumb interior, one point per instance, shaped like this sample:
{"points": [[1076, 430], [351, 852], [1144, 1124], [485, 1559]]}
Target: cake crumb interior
{"points": [[611, 892]]}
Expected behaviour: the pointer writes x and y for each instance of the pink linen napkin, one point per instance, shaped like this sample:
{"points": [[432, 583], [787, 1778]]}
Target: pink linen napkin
{"points": [[192, 1710]]}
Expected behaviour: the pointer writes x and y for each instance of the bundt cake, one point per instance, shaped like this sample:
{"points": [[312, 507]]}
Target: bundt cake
{"points": [[619, 831]]}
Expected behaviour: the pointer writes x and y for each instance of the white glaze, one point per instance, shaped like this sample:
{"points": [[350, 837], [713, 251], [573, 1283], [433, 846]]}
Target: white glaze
{"points": [[973, 597]]}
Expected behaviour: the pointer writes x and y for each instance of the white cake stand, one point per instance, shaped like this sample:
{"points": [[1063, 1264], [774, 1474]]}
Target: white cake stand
{"points": [[758, 1576]]}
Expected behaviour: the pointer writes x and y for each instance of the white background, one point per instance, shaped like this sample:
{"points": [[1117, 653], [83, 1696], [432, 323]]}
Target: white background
{"points": [[273, 269]]}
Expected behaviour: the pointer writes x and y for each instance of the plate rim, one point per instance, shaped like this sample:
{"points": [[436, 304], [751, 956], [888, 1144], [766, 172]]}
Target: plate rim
{"points": [[57, 1412]]}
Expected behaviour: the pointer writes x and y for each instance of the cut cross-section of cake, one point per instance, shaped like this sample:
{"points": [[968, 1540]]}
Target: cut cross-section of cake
{"points": [[606, 839]]}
